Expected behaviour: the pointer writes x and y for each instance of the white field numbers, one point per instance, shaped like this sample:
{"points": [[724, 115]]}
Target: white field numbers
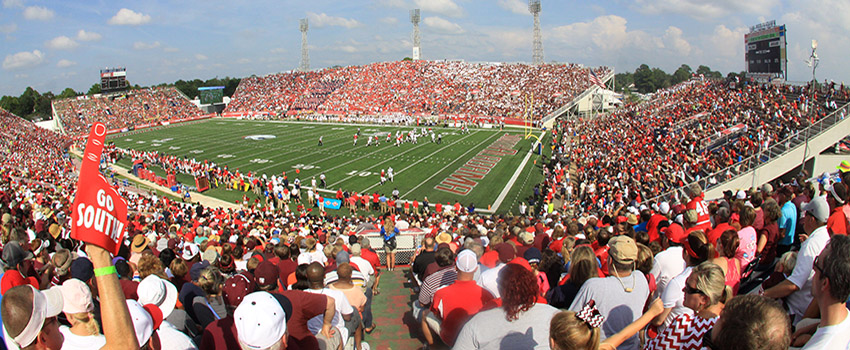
{"points": [[359, 173]]}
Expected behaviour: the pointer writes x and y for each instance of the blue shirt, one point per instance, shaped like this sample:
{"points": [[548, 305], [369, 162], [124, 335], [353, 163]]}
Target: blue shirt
{"points": [[788, 221]]}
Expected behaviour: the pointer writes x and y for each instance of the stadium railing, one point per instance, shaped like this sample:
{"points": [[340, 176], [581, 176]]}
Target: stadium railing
{"points": [[563, 109], [766, 156]]}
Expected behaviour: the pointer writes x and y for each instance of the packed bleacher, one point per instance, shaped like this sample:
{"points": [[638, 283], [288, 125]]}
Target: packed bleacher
{"points": [[135, 107], [628, 274], [417, 87], [683, 134]]}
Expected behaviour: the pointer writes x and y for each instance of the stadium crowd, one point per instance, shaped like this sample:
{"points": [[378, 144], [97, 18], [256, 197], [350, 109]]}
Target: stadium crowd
{"points": [[135, 107], [629, 274], [417, 87], [683, 134]]}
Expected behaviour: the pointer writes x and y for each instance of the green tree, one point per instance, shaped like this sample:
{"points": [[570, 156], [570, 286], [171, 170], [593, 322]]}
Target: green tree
{"points": [[43, 108], [643, 79], [67, 93], [9, 103], [94, 89], [407, 59], [682, 74], [624, 80]]}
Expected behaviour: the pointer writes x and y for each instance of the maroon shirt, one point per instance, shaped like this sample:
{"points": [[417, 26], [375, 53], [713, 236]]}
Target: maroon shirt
{"points": [[286, 267], [304, 307]]}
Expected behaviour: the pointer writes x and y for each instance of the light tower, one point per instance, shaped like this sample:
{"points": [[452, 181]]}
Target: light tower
{"points": [[305, 56], [414, 18], [534, 8]]}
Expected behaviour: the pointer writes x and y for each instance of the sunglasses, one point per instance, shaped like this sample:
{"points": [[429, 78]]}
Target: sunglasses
{"points": [[689, 290]]}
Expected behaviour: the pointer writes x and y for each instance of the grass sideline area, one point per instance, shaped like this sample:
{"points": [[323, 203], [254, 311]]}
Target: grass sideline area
{"points": [[272, 147]]}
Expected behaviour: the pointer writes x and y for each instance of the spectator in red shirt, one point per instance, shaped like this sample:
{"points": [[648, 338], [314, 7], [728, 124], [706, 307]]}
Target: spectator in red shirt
{"points": [[457, 303]]}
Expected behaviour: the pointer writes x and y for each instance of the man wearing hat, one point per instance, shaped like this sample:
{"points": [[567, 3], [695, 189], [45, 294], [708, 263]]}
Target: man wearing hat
{"points": [[457, 303], [797, 288], [260, 322], [619, 297], [836, 197]]}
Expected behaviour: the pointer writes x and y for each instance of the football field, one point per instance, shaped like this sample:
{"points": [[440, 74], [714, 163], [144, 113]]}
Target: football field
{"points": [[486, 167]]}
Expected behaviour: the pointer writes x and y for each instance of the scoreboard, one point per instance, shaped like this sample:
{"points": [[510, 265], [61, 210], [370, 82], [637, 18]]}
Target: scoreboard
{"points": [[113, 79], [766, 56]]}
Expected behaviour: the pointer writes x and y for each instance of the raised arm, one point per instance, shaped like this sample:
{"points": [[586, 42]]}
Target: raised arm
{"points": [[117, 326]]}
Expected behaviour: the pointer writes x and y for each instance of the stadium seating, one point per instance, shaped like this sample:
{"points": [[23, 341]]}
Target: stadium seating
{"points": [[31, 153], [146, 106], [416, 87]]}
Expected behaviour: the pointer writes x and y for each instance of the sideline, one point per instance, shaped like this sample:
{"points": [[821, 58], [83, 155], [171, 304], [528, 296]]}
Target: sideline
{"points": [[513, 179]]}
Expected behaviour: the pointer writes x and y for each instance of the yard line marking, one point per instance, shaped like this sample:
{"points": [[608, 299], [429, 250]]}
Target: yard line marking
{"points": [[420, 160], [373, 166], [511, 182], [444, 168]]}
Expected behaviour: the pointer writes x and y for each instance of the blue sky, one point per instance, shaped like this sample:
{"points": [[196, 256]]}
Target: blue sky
{"points": [[51, 45]]}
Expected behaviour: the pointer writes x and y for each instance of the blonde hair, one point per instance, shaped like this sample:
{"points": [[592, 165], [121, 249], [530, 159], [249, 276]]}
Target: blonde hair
{"points": [[788, 261], [567, 331], [86, 318], [210, 281], [711, 282]]}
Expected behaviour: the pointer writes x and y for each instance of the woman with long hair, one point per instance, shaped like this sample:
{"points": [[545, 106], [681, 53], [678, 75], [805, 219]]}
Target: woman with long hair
{"points": [[583, 266], [209, 307], [727, 245], [769, 234], [84, 333], [747, 235], [519, 323]]}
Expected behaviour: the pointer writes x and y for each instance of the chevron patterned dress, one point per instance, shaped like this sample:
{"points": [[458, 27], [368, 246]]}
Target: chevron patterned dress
{"points": [[685, 332]]}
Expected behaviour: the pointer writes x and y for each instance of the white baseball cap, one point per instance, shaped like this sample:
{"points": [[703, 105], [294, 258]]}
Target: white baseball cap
{"points": [[45, 304], [467, 261], [190, 250], [260, 320], [162, 293]]}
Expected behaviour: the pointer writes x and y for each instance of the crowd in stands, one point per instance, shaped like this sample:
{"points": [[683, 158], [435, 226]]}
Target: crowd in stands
{"points": [[630, 274], [683, 134], [417, 87], [134, 107]]}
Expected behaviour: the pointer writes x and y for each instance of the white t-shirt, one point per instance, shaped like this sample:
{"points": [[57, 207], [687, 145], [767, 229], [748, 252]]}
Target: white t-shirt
{"points": [[674, 297], [831, 337], [79, 342], [343, 307], [489, 280], [803, 272], [365, 267], [667, 264], [173, 339]]}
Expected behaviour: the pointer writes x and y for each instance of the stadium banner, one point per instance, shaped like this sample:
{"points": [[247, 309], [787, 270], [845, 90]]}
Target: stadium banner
{"points": [[99, 214], [331, 203]]}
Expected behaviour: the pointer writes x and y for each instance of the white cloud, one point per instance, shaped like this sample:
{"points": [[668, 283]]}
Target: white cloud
{"points": [[145, 46], [61, 43], [389, 20], [443, 7], [348, 49], [515, 6], [322, 19], [129, 17], [442, 25], [704, 10], [278, 50], [171, 49], [83, 35], [23, 59], [65, 63], [200, 57], [727, 44], [673, 38], [8, 28], [607, 33], [243, 61], [38, 13], [13, 3]]}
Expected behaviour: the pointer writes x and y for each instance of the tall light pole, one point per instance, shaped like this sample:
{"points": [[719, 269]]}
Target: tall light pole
{"points": [[813, 62], [305, 55], [537, 47], [414, 18]]}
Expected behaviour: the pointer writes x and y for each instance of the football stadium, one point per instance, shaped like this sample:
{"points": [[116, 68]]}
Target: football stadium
{"points": [[466, 195]]}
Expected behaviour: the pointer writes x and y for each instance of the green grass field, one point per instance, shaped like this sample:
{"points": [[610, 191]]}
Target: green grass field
{"points": [[419, 168]]}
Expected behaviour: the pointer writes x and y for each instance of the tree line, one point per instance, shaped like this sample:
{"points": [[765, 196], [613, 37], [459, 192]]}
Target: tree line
{"points": [[646, 79], [35, 106]]}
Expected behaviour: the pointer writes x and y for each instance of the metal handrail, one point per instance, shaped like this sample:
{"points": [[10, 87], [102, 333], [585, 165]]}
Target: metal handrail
{"points": [[575, 100], [764, 157]]}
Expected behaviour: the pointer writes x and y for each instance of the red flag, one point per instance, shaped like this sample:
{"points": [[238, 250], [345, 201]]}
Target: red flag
{"points": [[99, 214]]}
